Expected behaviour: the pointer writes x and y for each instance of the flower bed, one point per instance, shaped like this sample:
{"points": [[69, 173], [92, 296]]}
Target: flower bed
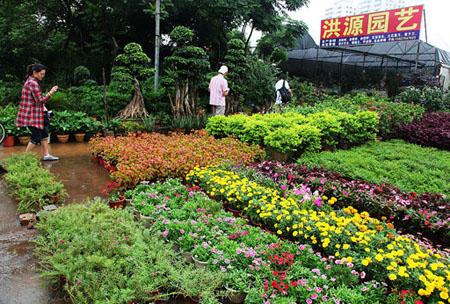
{"points": [[292, 132], [265, 268], [156, 156], [426, 213], [31, 185], [432, 130], [372, 245], [100, 255], [410, 167]]}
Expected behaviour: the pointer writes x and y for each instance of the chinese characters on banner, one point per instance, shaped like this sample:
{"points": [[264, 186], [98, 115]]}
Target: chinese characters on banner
{"points": [[393, 25]]}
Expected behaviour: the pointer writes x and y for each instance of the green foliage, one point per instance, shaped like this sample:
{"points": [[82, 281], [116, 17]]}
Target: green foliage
{"points": [[81, 74], [64, 122], [9, 91], [189, 123], [293, 132], [410, 167], [304, 92], [30, 184], [391, 114], [121, 262], [431, 98], [236, 60], [8, 115], [260, 79]]}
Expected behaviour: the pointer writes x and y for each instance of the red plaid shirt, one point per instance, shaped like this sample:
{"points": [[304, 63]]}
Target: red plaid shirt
{"points": [[31, 109]]}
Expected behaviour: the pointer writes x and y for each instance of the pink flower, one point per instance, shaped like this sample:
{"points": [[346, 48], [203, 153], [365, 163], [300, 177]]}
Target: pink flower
{"points": [[314, 296], [165, 233], [318, 202], [308, 301], [362, 274], [283, 187]]}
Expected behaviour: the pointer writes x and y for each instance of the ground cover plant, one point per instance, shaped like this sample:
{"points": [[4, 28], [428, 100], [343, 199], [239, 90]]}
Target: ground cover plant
{"points": [[258, 263], [292, 132], [428, 214], [100, 255], [391, 114], [432, 130], [157, 156], [373, 246], [30, 184], [410, 167]]}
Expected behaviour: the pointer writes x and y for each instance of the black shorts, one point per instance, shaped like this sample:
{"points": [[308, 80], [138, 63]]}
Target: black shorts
{"points": [[38, 135]]}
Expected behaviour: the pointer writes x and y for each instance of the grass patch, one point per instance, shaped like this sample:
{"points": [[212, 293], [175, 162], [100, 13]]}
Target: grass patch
{"points": [[410, 167]]}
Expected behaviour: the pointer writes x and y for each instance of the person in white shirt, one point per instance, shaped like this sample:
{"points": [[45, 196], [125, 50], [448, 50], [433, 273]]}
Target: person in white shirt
{"points": [[281, 82]]}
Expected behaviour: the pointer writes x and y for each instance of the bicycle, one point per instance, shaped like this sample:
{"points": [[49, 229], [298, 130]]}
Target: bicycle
{"points": [[2, 133]]}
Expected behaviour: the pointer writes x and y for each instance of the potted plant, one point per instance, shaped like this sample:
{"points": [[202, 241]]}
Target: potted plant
{"points": [[116, 200], [200, 256], [61, 124], [24, 135], [236, 283], [8, 120]]}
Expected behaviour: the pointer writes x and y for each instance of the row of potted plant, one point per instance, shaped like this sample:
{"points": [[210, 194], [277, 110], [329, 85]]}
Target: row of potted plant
{"points": [[30, 184], [62, 123], [258, 266], [299, 214], [428, 214], [153, 156]]}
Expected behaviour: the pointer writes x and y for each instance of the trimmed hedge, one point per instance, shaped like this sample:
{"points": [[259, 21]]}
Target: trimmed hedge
{"points": [[293, 132]]}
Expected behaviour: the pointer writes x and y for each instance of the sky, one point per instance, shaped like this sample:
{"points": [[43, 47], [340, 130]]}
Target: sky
{"points": [[437, 13]]}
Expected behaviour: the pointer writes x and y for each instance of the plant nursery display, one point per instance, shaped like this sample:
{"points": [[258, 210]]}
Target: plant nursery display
{"points": [[156, 156], [30, 184], [350, 236], [410, 167]]}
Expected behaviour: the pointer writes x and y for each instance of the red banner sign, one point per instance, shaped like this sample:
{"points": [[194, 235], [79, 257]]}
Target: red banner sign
{"points": [[393, 25]]}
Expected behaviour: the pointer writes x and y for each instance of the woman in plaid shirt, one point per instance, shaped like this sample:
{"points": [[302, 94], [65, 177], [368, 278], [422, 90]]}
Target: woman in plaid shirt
{"points": [[32, 109]]}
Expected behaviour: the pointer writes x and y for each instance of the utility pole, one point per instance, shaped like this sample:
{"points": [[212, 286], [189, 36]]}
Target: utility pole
{"points": [[157, 42]]}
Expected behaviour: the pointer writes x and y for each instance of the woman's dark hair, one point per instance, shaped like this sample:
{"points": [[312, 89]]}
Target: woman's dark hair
{"points": [[35, 67], [283, 76]]}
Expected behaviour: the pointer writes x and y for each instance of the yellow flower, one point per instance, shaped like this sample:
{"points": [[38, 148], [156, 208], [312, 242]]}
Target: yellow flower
{"points": [[279, 232], [346, 246], [392, 277], [443, 295]]}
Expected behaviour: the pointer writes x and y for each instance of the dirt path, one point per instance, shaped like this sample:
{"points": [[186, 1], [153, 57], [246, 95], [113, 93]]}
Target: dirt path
{"points": [[19, 281]]}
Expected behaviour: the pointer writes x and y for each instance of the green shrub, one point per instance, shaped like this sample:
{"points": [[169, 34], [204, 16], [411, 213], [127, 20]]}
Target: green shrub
{"points": [[81, 74], [299, 138], [329, 126], [216, 126], [8, 115], [31, 185], [431, 98], [254, 132]]}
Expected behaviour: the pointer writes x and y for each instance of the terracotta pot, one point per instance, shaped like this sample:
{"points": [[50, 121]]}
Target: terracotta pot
{"points": [[199, 264], [236, 296], [24, 140], [9, 141], [79, 137], [63, 138], [119, 204]]}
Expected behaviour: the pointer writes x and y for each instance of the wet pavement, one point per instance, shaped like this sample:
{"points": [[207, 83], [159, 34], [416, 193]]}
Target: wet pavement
{"points": [[19, 281]]}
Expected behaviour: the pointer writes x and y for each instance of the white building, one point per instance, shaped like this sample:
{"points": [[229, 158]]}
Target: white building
{"points": [[342, 8]]}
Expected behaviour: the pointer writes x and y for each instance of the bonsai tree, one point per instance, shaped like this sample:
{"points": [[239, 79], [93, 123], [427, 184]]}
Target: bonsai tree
{"points": [[187, 68], [131, 67], [236, 60]]}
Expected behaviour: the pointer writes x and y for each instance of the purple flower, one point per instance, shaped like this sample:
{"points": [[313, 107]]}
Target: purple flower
{"points": [[318, 202]]}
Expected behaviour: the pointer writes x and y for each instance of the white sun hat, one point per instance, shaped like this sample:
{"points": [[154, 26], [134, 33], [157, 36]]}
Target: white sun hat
{"points": [[223, 69]]}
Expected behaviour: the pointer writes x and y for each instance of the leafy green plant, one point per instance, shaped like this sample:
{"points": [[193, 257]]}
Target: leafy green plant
{"points": [[8, 116], [431, 98], [32, 185], [189, 123]]}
